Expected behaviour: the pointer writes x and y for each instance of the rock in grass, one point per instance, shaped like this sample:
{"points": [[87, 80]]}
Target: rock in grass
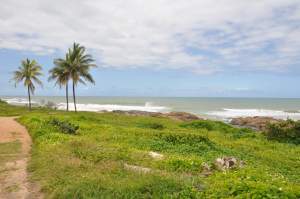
{"points": [[138, 169], [156, 155], [227, 163]]}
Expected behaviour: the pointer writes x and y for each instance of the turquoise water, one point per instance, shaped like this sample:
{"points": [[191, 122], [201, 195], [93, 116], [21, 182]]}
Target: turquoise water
{"points": [[209, 107]]}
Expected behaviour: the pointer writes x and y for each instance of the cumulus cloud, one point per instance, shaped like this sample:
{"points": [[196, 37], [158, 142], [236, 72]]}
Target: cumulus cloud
{"points": [[202, 36]]}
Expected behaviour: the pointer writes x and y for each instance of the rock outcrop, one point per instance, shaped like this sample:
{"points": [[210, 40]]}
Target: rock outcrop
{"points": [[227, 163], [256, 123], [181, 116]]}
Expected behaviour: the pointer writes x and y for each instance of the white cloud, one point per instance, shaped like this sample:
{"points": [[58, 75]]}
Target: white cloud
{"points": [[196, 35]]}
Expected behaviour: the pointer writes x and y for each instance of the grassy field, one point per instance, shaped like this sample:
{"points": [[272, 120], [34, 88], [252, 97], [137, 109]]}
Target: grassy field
{"points": [[97, 161]]}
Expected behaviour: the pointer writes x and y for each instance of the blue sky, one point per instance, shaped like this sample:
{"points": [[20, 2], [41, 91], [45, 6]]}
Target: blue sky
{"points": [[225, 48]]}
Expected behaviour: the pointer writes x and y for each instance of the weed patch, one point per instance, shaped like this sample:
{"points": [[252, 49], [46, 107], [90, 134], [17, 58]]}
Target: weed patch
{"points": [[152, 125], [285, 131], [64, 126]]}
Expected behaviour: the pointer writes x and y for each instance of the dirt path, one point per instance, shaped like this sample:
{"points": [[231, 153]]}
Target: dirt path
{"points": [[13, 173]]}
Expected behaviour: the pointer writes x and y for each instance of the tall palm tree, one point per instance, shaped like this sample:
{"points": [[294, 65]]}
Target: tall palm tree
{"points": [[28, 73], [79, 64], [61, 74]]}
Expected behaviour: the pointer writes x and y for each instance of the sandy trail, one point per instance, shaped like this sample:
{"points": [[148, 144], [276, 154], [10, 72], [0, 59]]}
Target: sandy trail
{"points": [[14, 181]]}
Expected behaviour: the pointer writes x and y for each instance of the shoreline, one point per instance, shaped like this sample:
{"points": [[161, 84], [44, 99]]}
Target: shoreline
{"points": [[204, 109]]}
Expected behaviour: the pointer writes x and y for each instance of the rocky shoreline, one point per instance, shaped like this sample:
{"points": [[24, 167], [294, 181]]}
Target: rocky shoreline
{"points": [[257, 123], [180, 116]]}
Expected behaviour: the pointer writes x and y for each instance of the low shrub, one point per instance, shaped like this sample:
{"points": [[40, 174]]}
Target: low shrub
{"points": [[180, 138], [153, 125], [185, 143], [64, 126], [201, 124], [285, 131], [219, 126]]}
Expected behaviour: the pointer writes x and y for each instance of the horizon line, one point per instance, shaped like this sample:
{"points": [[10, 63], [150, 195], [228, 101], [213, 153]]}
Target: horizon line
{"points": [[154, 96]]}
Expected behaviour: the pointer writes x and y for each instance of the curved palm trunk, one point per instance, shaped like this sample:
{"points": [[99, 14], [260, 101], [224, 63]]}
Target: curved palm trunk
{"points": [[74, 97], [67, 96], [29, 99]]}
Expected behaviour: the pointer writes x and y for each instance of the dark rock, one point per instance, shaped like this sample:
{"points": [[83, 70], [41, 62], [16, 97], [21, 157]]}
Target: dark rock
{"points": [[181, 116], [138, 113], [257, 122]]}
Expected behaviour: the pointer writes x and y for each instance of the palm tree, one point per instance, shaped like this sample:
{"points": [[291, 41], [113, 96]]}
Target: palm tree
{"points": [[79, 64], [61, 74], [28, 73]]}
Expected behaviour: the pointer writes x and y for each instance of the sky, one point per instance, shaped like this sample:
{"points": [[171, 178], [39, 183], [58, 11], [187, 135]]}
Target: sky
{"points": [[197, 48]]}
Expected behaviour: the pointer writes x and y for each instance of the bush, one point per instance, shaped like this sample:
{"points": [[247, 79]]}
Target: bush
{"points": [[185, 143], [64, 126], [153, 125], [286, 131], [219, 126], [189, 139]]}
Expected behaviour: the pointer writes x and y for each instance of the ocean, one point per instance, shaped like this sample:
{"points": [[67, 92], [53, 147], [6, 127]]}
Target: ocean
{"points": [[209, 107]]}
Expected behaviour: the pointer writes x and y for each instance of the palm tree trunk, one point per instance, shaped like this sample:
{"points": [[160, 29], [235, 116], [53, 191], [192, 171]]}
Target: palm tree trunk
{"points": [[29, 99], [74, 97], [67, 96]]}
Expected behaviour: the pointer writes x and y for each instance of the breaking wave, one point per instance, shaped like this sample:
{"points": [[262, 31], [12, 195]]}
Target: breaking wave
{"points": [[17, 101], [233, 113], [112, 107], [149, 106]]}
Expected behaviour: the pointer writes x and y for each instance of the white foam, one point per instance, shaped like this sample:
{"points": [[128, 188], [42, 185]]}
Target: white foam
{"points": [[112, 107], [17, 101], [149, 106], [233, 113]]}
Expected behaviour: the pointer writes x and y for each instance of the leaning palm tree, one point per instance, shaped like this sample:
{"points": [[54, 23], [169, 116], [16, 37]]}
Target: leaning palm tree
{"points": [[79, 64], [61, 74], [28, 73]]}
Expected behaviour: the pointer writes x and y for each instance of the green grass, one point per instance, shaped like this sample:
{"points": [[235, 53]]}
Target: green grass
{"points": [[8, 110], [90, 163]]}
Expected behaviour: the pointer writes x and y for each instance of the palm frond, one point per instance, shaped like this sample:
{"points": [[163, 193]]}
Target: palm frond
{"points": [[27, 73], [80, 63]]}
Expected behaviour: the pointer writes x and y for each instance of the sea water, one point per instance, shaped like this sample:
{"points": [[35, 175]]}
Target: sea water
{"points": [[218, 108]]}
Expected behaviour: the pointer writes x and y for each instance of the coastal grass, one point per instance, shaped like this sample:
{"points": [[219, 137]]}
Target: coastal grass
{"points": [[93, 162], [9, 110]]}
